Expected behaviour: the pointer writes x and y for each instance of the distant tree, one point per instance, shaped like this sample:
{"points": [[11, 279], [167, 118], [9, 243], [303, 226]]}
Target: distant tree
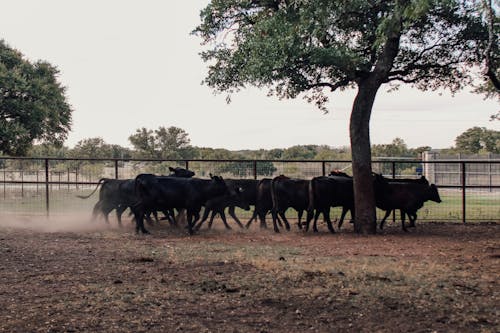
{"points": [[299, 152], [397, 148], [313, 47], [33, 105], [478, 139], [419, 150], [163, 143], [47, 150], [275, 154], [90, 148]]}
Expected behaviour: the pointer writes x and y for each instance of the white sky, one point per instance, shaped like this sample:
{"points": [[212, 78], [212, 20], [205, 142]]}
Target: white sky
{"points": [[130, 64]]}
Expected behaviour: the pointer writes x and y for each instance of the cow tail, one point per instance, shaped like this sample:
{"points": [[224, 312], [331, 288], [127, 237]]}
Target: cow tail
{"points": [[274, 197], [101, 181], [311, 195]]}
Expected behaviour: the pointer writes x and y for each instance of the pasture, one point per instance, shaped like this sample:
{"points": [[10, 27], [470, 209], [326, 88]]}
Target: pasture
{"points": [[67, 274]]}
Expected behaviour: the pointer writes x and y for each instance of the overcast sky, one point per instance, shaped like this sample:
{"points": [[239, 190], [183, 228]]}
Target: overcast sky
{"points": [[130, 64]]}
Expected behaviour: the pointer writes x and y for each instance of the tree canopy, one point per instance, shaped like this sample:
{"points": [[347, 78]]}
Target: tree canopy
{"points": [[162, 143], [478, 139], [33, 105], [304, 46], [313, 47]]}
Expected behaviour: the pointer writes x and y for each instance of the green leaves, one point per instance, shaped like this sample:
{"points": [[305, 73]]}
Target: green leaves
{"points": [[33, 104], [302, 47], [163, 143]]}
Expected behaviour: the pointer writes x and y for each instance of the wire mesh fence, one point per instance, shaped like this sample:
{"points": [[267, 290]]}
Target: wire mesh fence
{"points": [[470, 190]]}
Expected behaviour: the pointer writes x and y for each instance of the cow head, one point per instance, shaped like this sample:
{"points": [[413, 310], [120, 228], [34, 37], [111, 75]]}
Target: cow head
{"points": [[434, 194], [218, 186], [423, 180], [181, 172], [239, 194]]}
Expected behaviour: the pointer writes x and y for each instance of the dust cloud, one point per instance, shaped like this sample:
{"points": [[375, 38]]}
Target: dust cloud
{"points": [[58, 223]]}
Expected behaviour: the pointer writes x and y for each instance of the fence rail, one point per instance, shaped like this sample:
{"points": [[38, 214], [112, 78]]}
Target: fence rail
{"points": [[470, 189]]}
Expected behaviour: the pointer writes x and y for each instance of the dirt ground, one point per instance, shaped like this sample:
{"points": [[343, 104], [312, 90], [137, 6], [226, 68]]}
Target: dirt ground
{"points": [[71, 275]]}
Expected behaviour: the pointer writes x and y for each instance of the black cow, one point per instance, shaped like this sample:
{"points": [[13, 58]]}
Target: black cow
{"points": [[217, 206], [334, 191], [325, 192], [421, 180], [116, 194], [161, 193], [245, 189], [119, 194], [407, 197], [288, 193], [263, 202]]}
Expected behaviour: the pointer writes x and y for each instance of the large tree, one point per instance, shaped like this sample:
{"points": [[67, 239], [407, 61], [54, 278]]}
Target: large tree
{"points": [[33, 105], [163, 143], [313, 47], [478, 139]]}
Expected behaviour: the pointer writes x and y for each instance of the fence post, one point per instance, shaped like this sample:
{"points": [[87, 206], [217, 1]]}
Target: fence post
{"points": [[116, 169], [47, 201], [323, 167], [464, 180], [254, 169], [393, 166], [22, 181], [186, 162]]}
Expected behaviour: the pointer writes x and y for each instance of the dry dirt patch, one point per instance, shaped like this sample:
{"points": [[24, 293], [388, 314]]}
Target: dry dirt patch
{"points": [[79, 277]]}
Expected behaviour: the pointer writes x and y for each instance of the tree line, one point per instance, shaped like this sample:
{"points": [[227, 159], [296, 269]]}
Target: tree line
{"points": [[173, 143]]}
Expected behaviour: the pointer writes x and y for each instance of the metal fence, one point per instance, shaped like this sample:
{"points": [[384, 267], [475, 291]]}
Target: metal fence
{"points": [[470, 189]]}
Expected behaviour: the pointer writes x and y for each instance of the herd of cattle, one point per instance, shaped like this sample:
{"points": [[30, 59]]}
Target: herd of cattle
{"points": [[149, 194]]}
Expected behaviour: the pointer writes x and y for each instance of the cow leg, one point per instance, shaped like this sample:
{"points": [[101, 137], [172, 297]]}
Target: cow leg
{"points": [[223, 217], [413, 218], [262, 218], [155, 215], [326, 216], [106, 209], [190, 222], [316, 217], [212, 217], [275, 224], [119, 211], [342, 216], [233, 215], [254, 216], [203, 219], [193, 215], [147, 217], [170, 216], [95, 211], [285, 221], [387, 213], [310, 215], [403, 220], [181, 216], [274, 216], [299, 216], [139, 213]]}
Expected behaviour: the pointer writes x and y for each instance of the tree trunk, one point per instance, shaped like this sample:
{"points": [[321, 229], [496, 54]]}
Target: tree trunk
{"points": [[365, 221]]}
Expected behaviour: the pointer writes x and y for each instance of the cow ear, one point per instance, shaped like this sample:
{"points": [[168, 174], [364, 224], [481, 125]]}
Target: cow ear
{"points": [[211, 176], [171, 169]]}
